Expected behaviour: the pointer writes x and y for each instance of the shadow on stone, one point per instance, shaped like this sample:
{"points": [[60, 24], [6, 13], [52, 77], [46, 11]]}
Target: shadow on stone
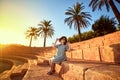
{"points": [[18, 76], [116, 50], [42, 64]]}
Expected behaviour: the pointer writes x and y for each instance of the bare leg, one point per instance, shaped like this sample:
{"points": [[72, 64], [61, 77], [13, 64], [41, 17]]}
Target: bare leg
{"points": [[52, 65]]}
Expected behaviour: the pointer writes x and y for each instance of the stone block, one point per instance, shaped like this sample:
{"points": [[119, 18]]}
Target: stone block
{"points": [[111, 41], [91, 54], [84, 45], [116, 51], [107, 54], [68, 54], [111, 35], [71, 72], [118, 34], [96, 42], [103, 73], [79, 54], [75, 46], [74, 53]]}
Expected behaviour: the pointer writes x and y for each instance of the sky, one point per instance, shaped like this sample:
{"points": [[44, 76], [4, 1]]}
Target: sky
{"points": [[17, 15]]}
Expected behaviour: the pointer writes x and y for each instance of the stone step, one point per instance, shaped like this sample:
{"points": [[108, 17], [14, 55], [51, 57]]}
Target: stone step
{"points": [[88, 71], [43, 60], [39, 72], [6, 74], [17, 69], [25, 66]]}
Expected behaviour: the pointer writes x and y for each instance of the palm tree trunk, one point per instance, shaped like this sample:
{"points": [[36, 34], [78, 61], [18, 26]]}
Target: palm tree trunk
{"points": [[79, 33], [30, 41], [115, 10], [44, 41]]}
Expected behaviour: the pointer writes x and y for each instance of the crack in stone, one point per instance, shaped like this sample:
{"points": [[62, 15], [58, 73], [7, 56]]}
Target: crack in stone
{"points": [[84, 70]]}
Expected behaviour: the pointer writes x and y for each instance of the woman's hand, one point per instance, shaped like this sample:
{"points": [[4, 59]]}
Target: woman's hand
{"points": [[57, 39]]}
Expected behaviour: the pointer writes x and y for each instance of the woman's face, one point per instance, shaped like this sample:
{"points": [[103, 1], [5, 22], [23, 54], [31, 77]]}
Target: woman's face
{"points": [[62, 41]]}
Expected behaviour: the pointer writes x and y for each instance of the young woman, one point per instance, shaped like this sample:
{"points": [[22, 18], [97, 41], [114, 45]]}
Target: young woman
{"points": [[60, 56]]}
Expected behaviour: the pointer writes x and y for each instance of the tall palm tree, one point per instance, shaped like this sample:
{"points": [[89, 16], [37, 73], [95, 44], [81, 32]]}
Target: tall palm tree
{"points": [[108, 3], [77, 17], [46, 30], [31, 33]]}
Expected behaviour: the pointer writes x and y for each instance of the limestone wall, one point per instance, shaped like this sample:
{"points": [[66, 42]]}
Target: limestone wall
{"points": [[104, 49]]}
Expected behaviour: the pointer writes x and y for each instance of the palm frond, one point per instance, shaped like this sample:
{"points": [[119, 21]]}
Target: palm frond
{"points": [[77, 17], [107, 5], [46, 29], [32, 31]]}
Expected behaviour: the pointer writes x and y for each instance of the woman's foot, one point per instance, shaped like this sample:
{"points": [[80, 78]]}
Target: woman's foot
{"points": [[51, 72]]}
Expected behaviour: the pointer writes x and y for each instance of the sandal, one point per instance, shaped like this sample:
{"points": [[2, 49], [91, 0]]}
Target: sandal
{"points": [[51, 72]]}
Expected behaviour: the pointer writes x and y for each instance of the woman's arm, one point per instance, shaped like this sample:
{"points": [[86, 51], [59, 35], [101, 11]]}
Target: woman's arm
{"points": [[69, 47], [55, 42]]}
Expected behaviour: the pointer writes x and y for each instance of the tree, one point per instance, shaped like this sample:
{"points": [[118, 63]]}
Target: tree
{"points": [[108, 3], [104, 25], [46, 30], [84, 36], [88, 35], [74, 38], [77, 17], [31, 33]]}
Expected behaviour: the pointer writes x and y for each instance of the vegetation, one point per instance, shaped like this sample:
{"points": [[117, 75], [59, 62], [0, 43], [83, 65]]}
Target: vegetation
{"points": [[104, 25], [84, 36], [108, 3], [46, 30], [31, 33], [77, 17]]}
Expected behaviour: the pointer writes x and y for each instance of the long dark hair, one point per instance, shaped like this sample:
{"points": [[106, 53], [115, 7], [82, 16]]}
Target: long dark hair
{"points": [[63, 37]]}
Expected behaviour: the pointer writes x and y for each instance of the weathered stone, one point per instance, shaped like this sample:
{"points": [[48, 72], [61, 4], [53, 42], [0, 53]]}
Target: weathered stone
{"points": [[71, 72], [84, 45], [96, 42], [39, 72], [118, 34], [75, 46], [111, 41], [116, 51], [107, 54], [73, 54], [108, 36], [79, 54], [88, 71], [107, 72], [91, 54]]}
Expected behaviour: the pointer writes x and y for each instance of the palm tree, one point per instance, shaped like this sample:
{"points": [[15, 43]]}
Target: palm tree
{"points": [[77, 17], [46, 30], [108, 3], [31, 33]]}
